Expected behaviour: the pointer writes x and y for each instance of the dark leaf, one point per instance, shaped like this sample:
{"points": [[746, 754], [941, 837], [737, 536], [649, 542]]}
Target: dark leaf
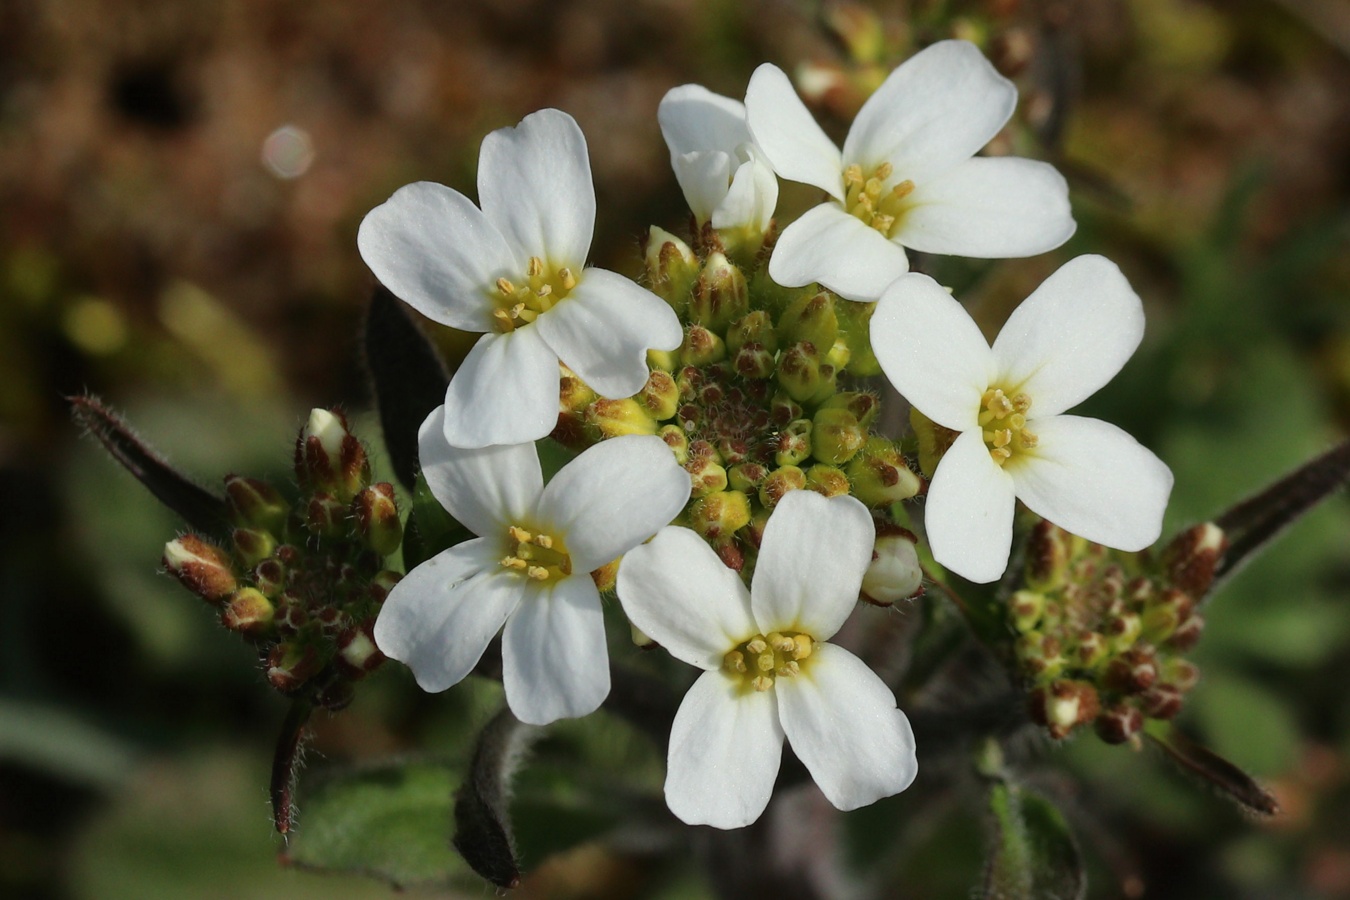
{"points": [[1035, 856], [284, 763], [430, 527], [482, 824], [203, 511], [408, 378], [1214, 769]]}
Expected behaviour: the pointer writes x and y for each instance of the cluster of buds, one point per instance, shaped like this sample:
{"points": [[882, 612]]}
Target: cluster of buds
{"points": [[751, 403], [1101, 634], [303, 581]]}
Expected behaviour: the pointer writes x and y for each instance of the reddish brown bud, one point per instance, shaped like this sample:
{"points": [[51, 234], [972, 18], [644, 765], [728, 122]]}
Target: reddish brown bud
{"points": [[290, 665], [248, 611], [357, 653], [1188, 633], [1162, 701], [376, 518], [1190, 559], [201, 567], [251, 503], [1119, 723], [1132, 672]]}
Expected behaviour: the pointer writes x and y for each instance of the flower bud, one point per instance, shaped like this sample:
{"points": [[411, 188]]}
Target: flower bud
{"points": [[1189, 560], [1026, 608], [269, 576], [746, 477], [291, 615], [753, 361], [864, 406], [810, 319], [660, 396], [793, 444], [828, 481], [720, 294], [328, 458], [836, 435], [676, 440], [376, 518], [248, 611], [779, 482], [934, 441], [252, 545], [1162, 701], [719, 515], [1090, 651], [1119, 723], [1132, 672], [706, 473], [201, 567], [290, 665], [1064, 705], [615, 418], [606, 576], [574, 395], [702, 347], [880, 475], [357, 654], [1164, 614], [894, 573], [1040, 655], [326, 516], [1187, 634], [1181, 673], [754, 328], [1047, 556], [799, 372], [251, 503], [1121, 631], [671, 268], [382, 583]]}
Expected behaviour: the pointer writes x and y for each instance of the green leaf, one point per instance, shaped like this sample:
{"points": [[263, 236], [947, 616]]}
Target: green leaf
{"points": [[390, 822], [430, 527], [1034, 856], [1213, 768], [482, 821]]}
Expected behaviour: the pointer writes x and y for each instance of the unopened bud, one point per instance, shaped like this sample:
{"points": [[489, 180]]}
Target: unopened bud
{"points": [[671, 268], [720, 295], [574, 395], [269, 575], [382, 583], [864, 406], [660, 396], [1162, 701], [1064, 705], [1122, 631], [1133, 672], [1047, 556], [251, 503], [326, 516], [329, 458], [615, 418], [201, 567], [252, 545], [793, 443], [1164, 614], [879, 474], [1119, 723], [290, 665], [753, 361], [894, 573], [746, 477], [376, 518], [606, 576], [719, 515], [780, 481], [1190, 559], [827, 481], [356, 651], [1181, 673], [1188, 633], [1090, 651], [799, 372], [934, 441], [1026, 608], [702, 347], [706, 474], [836, 435], [676, 440], [754, 328], [1040, 655], [783, 409], [248, 611], [810, 319]]}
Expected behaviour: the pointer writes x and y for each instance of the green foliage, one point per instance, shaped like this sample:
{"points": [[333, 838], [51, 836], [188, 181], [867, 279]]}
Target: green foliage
{"points": [[1034, 855]]}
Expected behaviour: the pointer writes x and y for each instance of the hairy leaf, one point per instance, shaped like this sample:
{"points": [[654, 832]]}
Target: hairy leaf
{"points": [[430, 527], [1034, 856], [482, 822], [1213, 768]]}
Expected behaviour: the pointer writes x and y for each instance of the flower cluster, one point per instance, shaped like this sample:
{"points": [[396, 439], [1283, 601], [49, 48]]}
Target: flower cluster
{"points": [[730, 465]]}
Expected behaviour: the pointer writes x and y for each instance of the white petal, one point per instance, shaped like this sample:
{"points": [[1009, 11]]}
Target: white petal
{"points": [[841, 721], [693, 118], [1092, 479], [932, 351], [934, 111], [969, 513], [811, 563], [1071, 336], [605, 327], [828, 245], [555, 663], [750, 201], [990, 208], [534, 183], [783, 128], [613, 497], [438, 253], [439, 619], [505, 391], [487, 489], [725, 749], [704, 177], [676, 590]]}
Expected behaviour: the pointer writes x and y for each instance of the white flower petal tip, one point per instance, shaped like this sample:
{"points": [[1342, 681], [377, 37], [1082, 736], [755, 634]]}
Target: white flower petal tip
{"points": [[529, 568], [769, 670], [515, 269], [1070, 337], [908, 173]]}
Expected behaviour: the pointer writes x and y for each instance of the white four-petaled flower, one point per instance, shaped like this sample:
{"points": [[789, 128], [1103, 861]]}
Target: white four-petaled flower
{"points": [[529, 568], [768, 672], [724, 176], [1070, 337], [515, 270], [907, 176]]}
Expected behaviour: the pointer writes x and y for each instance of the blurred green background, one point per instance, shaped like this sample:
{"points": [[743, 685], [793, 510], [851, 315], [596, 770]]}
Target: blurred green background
{"points": [[180, 186]]}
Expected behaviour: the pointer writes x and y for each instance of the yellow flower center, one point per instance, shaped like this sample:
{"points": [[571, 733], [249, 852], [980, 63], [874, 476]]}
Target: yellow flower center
{"points": [[537, 556], [1003, 421], [867, 197], [758, 662], [520, 304]]}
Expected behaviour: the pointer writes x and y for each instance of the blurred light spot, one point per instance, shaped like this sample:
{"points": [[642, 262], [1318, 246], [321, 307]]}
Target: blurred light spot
{"points": [[95, 326], [224, 342], [288, 152]]}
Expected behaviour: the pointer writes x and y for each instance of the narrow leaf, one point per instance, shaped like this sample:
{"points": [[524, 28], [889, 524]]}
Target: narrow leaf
{"points": [[482, 823], [430, 527], [1256, 521], [1035, 856], [408, 378], [202, 510], [285, 760], [1214, 769]]}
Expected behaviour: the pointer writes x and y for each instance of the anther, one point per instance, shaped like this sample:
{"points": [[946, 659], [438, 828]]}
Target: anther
{"points": [[542, 540], [802, 646], [519, 535], [513, 562], [567, 279], [884, 171], [757, 646], [789, 669], [505, 287], [537, 573], [902, 190], [762, 683], [765, 662], [535, 268]]}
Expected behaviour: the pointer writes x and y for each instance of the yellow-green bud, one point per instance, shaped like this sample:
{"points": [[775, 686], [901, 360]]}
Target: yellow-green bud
{"points": [[706, 474], [357, 654], [660, 396], [248, 611], [665, 360], [376, 516], [793, 443], [810, 319], [753, 361], [864, 406], [836, 435], [934, 440], [719, 515], [839, 355], [746, 477], [671, 268], [783, 409], [779, 482], [754, 328], [799, 371], [1048, 555], [251, 503], [614, 418], [880, 475], [252, 545], [290, 665], [676, 440], [1026, 608], [826, 480], [702, 347], [574, 395], [720, 295]]}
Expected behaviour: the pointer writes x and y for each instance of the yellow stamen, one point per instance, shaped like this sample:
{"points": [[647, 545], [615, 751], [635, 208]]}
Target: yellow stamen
{"points": [[1007, 416]]}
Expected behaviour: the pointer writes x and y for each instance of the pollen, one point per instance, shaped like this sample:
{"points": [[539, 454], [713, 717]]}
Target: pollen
{"points": [[868, 198], [757, 663], [1003, 421], [519, 303], [536, 555]]}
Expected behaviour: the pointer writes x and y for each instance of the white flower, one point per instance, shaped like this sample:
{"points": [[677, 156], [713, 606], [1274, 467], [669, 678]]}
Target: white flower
{"points": [[907, 176], [724, 176], [768, 673], [514, 270], [529, 566], [1070, 337]]}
